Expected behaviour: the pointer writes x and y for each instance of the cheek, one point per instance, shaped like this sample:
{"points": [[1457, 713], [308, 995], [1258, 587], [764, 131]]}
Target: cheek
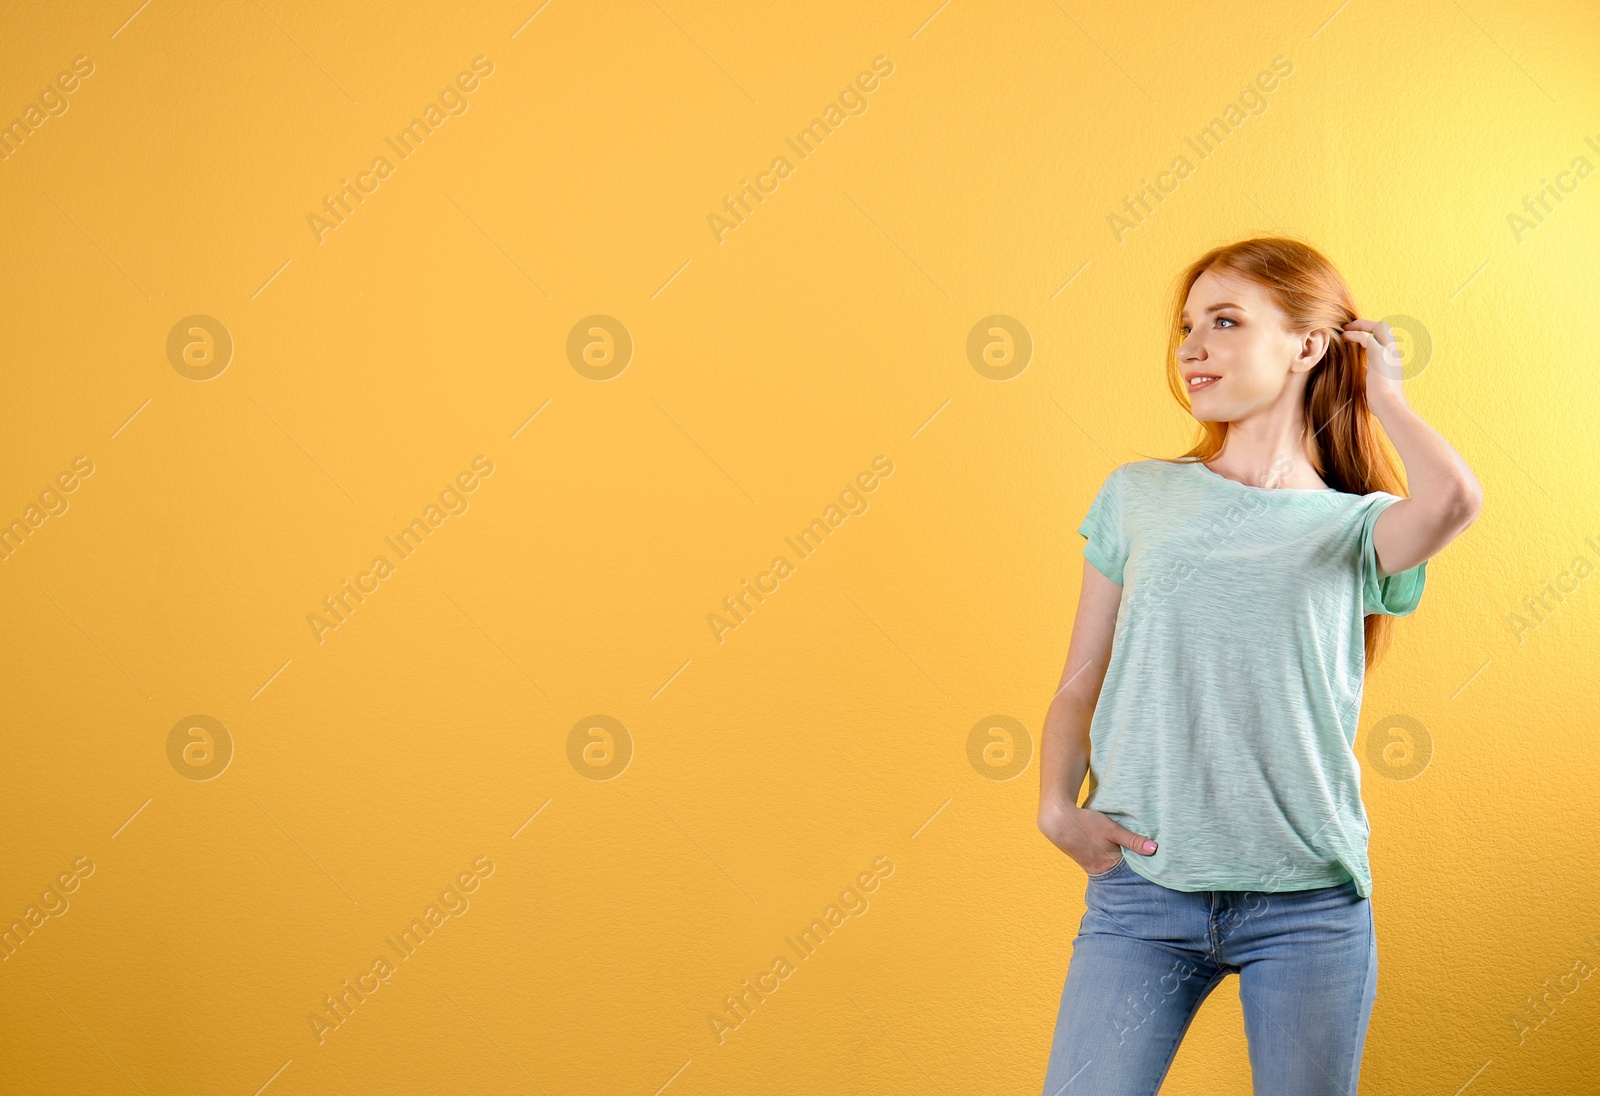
{"points": [[1248, 357], [1259, 374]]}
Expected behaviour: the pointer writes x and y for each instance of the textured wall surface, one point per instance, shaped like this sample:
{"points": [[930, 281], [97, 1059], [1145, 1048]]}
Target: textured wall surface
{"points": [[402, 401]]}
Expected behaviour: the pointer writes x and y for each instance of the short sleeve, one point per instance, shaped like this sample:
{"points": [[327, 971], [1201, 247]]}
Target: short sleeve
{"points": [[1398, 594], [1107, 547]]}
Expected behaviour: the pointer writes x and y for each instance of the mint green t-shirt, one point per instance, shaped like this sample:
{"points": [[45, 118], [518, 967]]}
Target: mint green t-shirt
{"points": [[1226, 724]]}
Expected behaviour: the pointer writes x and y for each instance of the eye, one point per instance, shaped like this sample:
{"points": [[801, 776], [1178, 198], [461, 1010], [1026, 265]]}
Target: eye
{"points": [[1225, 319], [1183, 330]]}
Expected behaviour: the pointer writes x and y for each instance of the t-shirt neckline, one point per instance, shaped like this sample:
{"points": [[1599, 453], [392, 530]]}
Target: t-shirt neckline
{"points": [[1200, 464]]}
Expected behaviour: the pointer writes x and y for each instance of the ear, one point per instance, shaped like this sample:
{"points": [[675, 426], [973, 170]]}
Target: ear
{"points": [[1313, 346]]}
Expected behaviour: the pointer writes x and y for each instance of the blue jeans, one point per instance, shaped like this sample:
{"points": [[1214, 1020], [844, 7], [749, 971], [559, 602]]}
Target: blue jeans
{"points": [[1146, 956]]}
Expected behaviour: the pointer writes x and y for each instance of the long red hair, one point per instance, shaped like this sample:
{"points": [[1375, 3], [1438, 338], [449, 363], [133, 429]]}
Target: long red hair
{"points": [[1346, 449]]}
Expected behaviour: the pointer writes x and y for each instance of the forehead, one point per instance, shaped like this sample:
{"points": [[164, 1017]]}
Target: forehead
{"points": [[1217, 285]]}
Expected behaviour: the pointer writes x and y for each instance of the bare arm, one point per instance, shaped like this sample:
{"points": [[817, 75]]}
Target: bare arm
{"points": [[1445, 496], [1089, 837]]}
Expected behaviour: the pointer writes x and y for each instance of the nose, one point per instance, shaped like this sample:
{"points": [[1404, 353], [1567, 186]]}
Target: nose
{"points": [[1190, 349]]}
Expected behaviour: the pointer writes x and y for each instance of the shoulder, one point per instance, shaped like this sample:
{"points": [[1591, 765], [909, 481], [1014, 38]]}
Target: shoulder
{"points": [[1358, 511], [1152, 472], [1369, 502], [1145, 485], [1373, 503]]}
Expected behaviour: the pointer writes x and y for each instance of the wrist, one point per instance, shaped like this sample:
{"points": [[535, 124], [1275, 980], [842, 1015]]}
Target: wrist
{"points": [[1054, 812], [1385, 399]]}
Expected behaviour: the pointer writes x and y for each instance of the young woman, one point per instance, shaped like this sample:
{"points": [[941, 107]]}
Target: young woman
{"points": [[1232, 601]]}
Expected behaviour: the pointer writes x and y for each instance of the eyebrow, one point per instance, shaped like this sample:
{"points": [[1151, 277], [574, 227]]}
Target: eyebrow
{"points": [[1219, 307]]}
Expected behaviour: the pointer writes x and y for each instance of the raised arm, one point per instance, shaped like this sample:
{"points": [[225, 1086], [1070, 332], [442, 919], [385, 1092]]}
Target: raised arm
{"points": [[1444, 494], [1087, 836]]}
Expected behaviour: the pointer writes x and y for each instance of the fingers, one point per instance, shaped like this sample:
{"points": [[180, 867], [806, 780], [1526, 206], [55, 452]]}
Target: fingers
{"points": [[1382, 352], [1369, 336], [1135, 842], [1375, 335], [1118, 834], [1377, 327]]}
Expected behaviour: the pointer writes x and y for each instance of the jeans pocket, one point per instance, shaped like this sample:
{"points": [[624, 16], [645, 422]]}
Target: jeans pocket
{"points": [[1120, 865]]}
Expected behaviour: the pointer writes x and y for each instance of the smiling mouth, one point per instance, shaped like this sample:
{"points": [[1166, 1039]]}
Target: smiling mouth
{"points": [[1200, 381]]}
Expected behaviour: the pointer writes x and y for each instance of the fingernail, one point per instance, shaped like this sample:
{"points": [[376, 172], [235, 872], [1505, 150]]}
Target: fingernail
{"points": [[1149, 846]]}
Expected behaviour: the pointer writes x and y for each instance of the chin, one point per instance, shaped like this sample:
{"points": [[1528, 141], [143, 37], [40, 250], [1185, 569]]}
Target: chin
{"points": [[1210, 411]]}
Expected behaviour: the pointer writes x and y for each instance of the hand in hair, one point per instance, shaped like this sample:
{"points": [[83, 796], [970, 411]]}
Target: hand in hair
{"points": [[1383, 358]]}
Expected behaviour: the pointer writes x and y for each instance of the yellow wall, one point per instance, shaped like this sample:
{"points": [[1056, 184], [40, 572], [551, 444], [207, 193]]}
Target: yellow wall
{"points": [[448, 721]]}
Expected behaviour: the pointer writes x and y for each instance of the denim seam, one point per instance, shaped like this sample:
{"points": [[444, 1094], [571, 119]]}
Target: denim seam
{"points": [[1200, 999], [1371, 975]]}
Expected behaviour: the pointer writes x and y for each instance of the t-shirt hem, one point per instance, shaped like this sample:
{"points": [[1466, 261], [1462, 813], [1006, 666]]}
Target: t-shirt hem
{"points": [[1101, 563], [1217, 883]]}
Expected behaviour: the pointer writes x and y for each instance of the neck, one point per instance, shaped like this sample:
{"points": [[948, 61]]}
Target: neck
{"points": [[1268, 454]]}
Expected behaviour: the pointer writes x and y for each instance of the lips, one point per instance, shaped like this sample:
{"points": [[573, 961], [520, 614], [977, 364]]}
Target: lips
{"points": [[1205, 380]]}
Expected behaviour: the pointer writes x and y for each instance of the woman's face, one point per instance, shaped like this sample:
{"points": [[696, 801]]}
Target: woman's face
{"points": [[1233, 331]]}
